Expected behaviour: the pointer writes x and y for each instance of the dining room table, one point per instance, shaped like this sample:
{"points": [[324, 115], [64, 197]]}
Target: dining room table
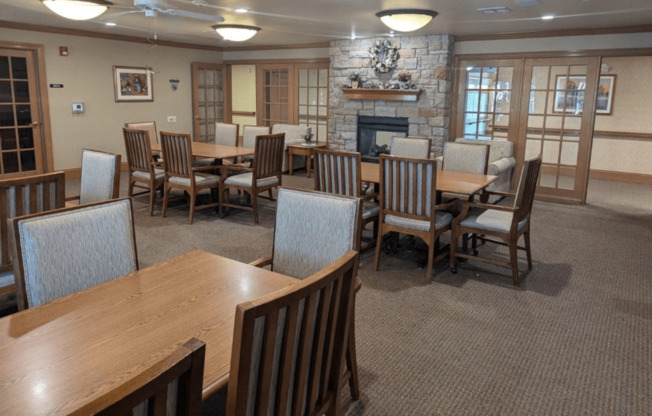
{"points": [[446, 181], [213, 150], [56, 357]]}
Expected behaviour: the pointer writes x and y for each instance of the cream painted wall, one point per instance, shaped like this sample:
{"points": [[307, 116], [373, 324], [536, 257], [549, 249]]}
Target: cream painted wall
{"points": [[87, 76], [243, 93], [308, 53]]}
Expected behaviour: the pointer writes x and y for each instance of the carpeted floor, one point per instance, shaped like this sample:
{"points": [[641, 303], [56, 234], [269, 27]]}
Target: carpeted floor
{"points": [[574, 339]]}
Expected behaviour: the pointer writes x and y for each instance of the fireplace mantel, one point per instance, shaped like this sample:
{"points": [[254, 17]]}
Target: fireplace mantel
{"points": [[381, 94]]}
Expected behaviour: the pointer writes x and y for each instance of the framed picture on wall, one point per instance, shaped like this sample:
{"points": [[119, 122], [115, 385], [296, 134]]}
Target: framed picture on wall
{"points": [[569, 95], [132, 84]]}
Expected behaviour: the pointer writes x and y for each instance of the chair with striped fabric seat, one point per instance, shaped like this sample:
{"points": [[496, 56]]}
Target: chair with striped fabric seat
{"points": [[144, 172], [70, 249]]}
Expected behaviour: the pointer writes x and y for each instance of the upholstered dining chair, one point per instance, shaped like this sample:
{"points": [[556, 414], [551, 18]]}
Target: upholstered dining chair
{"points": [[22, 196], [100, 177], [415, 147], [182, 175], [148, 391], [144, 172], [312, 230], [289, 346], [70, 249], [152, 132], [407, 204], [249, 134], [225, 134], [338, 172], [265, 174], [502, 225]]}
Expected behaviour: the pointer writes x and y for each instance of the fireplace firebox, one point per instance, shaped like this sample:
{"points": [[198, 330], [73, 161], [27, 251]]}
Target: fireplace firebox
{"points": [[375, 133]]}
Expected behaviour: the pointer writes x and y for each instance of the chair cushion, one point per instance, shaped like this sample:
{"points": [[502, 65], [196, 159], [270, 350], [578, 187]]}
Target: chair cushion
{"points": [[6, 278], [158, 173], [245, 179], [443, 220], [200, 179], [491, 220]]}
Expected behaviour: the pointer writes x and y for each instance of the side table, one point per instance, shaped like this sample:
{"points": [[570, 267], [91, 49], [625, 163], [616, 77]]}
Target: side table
{"points": [[303, 149]]}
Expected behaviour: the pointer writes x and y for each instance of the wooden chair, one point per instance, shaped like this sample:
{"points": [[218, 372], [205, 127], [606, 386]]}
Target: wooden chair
{"points": [[289, 346], [100, 177], [70, 249], [144, 172], [506, 224], [22, 196], [181, 174], [312, 230], [152, 132], [338, 172], [461, 157], [264, 175], [415, 147], [184, 367], [407, 204]]}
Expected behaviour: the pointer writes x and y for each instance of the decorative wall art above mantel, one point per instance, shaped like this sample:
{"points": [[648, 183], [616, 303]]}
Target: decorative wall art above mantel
{"points": [[384, 56]]}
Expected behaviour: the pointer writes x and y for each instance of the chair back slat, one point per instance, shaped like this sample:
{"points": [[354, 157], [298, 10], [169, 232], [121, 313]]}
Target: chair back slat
{"points": [[177, 154], [288, 347], [338, 172], [27, 195], [268, 156], [183, 368], [527, 186], [407, 187]]}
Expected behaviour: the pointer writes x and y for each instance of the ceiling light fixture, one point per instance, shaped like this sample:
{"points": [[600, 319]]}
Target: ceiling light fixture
{"points": [[240, 10], [547, 17], [406, 20], [236, 33], [78, 9]]}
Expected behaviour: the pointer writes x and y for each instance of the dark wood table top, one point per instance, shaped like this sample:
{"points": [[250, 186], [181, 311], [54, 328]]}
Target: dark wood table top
{"points": [[447, 181], [215, 151], [58, 356]]}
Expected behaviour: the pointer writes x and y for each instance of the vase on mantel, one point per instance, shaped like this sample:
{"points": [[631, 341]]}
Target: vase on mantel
{"points": [[354, 84]]}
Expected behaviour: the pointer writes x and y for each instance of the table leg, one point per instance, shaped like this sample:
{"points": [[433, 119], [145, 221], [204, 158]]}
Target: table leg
{"points": [[308, 162], [290, 161]]}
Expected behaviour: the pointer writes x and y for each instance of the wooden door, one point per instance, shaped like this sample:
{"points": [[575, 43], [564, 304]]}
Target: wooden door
{"points": [[276, 86], [208, 99], [557, 114], [312, 90], [21, 143]]}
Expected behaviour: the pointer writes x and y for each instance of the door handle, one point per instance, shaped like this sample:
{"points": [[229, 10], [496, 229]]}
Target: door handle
{"points": [[35, 123]]}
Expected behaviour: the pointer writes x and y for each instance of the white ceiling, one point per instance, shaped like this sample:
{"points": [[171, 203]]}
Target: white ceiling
{"points": [[292, 22]]}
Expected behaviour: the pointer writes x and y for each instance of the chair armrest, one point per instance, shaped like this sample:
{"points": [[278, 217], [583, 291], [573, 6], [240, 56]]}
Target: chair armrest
{"points": [[262, 262], [501, 193], [484, 205], [448, 204], [71, 198], [501, 165]]}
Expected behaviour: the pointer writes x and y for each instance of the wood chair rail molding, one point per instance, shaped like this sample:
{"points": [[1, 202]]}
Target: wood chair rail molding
{"points": [[381, 94]]}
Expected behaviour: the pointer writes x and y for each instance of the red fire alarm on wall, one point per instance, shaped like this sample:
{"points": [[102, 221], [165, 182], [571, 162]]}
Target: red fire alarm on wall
{"points": [[63, 50]]}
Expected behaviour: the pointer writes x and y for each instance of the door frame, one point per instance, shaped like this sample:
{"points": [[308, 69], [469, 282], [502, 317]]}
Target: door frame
{"points": [[44, 124]]}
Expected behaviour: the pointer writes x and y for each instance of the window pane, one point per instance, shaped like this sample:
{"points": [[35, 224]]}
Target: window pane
{"points": [[19, 68]]}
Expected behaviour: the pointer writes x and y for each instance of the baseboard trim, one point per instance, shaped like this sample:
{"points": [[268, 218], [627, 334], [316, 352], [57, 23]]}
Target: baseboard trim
{"points": [[75, 173]]}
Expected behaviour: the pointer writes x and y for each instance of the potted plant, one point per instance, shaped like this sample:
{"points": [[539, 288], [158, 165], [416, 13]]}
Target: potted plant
{"points": [[404, 79], [355, 79]]}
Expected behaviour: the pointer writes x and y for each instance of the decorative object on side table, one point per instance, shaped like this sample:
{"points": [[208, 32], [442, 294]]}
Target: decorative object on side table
{"points": [[308, 136], [383, 56]]}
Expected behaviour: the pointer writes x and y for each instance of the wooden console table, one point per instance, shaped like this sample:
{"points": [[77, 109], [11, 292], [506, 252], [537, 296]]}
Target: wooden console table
{"points": [[302, 150]]}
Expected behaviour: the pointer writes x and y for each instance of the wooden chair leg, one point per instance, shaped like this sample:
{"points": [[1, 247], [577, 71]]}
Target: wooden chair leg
{"points": [[352, 360], [513, 258], [166, 196], [254, 204], [152, 198], [379, 246], [453, 249], [526, 240], [192, 208], [431, 256]]}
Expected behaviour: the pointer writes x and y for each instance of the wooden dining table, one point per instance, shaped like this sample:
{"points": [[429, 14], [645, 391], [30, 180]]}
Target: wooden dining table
{"points": [[446, 181], [58, 356], [214, 151]]}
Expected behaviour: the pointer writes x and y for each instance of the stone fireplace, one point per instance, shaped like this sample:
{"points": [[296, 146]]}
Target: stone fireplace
{"points": [[374, 134], [427, 58]]}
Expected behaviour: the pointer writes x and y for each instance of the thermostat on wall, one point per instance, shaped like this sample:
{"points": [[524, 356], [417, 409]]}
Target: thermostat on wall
{"points": [[77, 108]]}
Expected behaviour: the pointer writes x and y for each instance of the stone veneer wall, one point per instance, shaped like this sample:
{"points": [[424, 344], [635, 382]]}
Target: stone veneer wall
{"points": [[428, 58]]}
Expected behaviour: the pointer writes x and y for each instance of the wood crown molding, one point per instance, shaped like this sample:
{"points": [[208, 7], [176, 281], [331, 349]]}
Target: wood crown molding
{"points": [[555, 33]]}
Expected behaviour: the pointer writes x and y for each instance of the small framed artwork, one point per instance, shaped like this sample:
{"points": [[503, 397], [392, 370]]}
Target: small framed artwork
{"points": [[569, 95], [132, 84]]}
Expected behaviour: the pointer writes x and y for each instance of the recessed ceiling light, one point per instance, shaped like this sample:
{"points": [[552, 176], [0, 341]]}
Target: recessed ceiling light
{"points": [[109, 24], [548, 17], [240, 10]]}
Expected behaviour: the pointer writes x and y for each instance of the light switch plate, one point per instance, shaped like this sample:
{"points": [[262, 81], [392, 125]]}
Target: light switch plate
{"points": [[77, 108], [172, 119]]}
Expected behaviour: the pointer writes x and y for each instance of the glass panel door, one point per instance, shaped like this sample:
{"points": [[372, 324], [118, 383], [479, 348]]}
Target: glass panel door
{"points": [[558, 123], [208, 100], [275, 87], [313, 98], [20, 134]]}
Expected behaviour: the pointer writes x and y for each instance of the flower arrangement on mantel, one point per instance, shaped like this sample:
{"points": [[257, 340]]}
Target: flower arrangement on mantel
{"points": [[354, 77]]}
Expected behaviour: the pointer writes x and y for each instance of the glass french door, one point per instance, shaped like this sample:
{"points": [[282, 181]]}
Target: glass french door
{"points": [[275, 87], [557, 123], [313, 98], [208, 82], [20, 131]]}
